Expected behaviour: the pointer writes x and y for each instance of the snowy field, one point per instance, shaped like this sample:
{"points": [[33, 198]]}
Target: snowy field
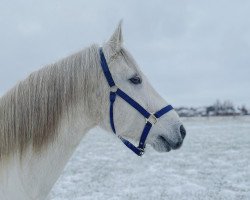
{"points": [[214, 163]]}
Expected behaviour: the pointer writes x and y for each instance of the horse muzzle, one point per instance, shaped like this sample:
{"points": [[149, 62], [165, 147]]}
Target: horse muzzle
{"points": [[164, 144]]}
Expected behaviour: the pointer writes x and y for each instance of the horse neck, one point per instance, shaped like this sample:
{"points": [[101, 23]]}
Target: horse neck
{"points": [[33, 176]]}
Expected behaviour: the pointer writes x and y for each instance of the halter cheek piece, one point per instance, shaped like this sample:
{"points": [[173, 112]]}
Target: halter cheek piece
{"points": [[150, 118]]}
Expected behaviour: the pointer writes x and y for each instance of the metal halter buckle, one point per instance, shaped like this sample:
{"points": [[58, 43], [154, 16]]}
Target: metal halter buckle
{"points": [[151, 119], [113, 88], [142, 151]]}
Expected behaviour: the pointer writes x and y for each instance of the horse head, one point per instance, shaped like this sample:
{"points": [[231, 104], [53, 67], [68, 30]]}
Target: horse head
{"points": [[168, 133]]}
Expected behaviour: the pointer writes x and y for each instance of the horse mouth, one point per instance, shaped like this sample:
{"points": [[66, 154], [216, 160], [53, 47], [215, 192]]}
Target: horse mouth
{"points": [[162, 144]]}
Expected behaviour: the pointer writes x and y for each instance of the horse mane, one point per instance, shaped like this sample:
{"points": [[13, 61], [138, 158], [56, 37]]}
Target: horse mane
{"points": [[30, 113]]}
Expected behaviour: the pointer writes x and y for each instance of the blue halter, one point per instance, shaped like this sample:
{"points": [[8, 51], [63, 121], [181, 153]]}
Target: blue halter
{"points": [[150, 119]]}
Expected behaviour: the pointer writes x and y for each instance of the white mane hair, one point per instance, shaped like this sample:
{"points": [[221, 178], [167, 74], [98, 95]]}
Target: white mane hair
{"points": [[31, 111]]}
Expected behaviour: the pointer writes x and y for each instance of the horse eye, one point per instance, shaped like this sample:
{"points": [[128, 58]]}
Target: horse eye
{"points": [[136, 80]]}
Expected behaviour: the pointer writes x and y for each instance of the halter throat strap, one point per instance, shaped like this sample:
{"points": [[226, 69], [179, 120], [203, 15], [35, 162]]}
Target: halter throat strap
{"points": [[150, 118]]}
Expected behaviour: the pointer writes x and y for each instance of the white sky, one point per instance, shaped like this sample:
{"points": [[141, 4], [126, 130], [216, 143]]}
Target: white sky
{"points": [[194, 52]]}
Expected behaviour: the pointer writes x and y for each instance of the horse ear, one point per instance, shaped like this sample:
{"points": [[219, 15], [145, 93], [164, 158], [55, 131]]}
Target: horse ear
{"points": [[116, 39]]}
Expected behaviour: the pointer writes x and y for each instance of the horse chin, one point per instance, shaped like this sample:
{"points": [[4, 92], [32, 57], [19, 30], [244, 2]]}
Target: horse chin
{"points": [[161, 144]]}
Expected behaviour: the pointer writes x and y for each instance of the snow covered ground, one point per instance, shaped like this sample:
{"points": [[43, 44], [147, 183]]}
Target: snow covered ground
{"points": [[214, 163]]}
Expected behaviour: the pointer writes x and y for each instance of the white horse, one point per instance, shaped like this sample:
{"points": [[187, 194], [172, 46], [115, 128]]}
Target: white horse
{"points": [[44, 117]]}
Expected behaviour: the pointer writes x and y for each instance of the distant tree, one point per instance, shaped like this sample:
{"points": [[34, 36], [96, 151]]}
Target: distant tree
{"points": [[222, 108], [217, 107], [228, 105], [209, 109], [243, 110], [228, 108]]}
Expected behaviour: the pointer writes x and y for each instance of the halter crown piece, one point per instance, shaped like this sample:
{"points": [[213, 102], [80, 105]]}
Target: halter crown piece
{"points": [[150, 119]]}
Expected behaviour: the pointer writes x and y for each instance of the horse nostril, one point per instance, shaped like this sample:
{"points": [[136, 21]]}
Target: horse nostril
{"points": [[177, 145], [183, 131]]}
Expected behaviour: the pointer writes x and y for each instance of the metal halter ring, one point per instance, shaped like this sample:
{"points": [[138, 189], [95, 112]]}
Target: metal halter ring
{"points": [[114, 88], [142, 151], [151, 119]]}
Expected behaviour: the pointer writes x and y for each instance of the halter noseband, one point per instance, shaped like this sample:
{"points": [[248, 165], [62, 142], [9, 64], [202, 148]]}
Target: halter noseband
{"points": [[150, 118]]}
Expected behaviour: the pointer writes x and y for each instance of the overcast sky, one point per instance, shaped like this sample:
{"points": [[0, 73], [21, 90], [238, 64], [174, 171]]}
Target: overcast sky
{"points": [[194, 52]]}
